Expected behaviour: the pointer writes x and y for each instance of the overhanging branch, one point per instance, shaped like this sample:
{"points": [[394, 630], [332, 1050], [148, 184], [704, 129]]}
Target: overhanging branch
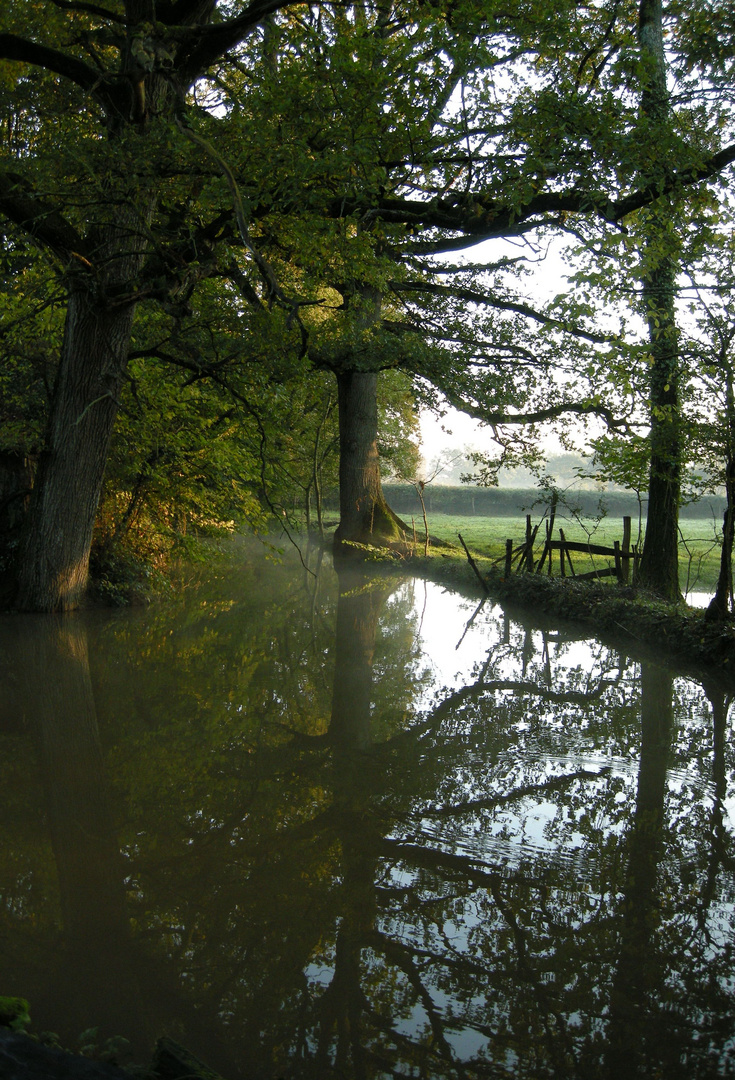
{"points": [[41, 220], [20, 49], [488, 300], [536, 416]]}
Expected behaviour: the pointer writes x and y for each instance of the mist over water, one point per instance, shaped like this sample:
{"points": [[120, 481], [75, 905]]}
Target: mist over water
{"points": [[313, 824]]}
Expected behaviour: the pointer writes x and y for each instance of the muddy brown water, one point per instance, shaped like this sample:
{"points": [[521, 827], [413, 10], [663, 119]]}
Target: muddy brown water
{"points": [[313, 825]]}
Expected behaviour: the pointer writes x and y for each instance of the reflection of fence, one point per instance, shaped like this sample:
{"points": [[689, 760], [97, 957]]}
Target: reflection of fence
{"points": [[523, 555]]}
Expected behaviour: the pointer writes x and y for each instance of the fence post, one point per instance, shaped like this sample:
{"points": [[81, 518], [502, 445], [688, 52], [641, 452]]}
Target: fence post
{"points": [[565, 551], [562, 553], [529, 544], [626, 549], [618, 563], [508, 557]]}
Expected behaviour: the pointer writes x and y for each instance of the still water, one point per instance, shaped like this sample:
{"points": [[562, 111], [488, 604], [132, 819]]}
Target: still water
{"points": [[313, 826]]}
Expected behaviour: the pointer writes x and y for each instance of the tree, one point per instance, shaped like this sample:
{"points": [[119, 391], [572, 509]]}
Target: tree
{"points": [[367, 141], [419, 158], [115, 81], [659, 565], [711, 397]]}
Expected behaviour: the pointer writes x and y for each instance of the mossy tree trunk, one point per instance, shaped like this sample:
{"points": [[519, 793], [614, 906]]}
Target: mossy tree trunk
{"points": [[365, 517], [54, 562], [721, 604]]}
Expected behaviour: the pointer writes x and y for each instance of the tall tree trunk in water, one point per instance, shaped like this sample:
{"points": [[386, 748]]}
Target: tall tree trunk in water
{"points": [[365, 517], [55, 551], [720, 605], [659, 565]]}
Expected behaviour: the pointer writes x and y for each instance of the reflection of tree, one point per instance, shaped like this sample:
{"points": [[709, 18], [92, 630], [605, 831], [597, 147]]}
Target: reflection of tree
{"points": [[634, 1049], [720, 841], [93, 974], [356, 887], [351, 737]]}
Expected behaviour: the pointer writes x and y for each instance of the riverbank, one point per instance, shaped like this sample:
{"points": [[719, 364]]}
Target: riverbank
{"points": [[23, 1057], [676, 631]]}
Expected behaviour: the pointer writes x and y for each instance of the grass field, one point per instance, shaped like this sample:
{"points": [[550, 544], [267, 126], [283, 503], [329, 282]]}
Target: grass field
{"points": [[699, 552]]}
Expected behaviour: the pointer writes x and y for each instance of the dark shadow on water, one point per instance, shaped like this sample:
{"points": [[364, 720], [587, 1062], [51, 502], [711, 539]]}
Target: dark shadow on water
{"points": [[92, 973]]}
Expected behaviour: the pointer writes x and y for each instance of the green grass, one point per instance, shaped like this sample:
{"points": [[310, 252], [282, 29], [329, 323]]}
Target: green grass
{"points": [[699, 553]]}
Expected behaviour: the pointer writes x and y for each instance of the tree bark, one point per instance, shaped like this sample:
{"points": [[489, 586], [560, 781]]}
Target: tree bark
{"points": [[720, 605], [365, 517], [54, 562], [659, 566], [54, 557]]}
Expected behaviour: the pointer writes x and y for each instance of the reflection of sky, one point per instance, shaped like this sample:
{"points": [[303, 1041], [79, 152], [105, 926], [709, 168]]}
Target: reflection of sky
{"points": [[441, 620], [456, 640], [560, 835]]}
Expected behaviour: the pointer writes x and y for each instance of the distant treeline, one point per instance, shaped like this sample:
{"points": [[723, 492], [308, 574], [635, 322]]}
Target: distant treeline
{"points": [[506, 502]]}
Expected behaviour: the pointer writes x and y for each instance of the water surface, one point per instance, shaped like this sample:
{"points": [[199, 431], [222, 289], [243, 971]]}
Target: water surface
{"points": [[322, 826]]}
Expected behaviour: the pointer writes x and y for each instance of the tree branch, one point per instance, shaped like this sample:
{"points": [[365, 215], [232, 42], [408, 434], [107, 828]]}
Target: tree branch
{"points": [[208, 44], [538, 416], [21, 50], [90, 9], [39, 219], [487, 299], [479, 217]]}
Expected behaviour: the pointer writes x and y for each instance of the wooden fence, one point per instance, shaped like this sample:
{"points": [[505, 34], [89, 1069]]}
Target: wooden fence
{"points": [[622, 553]]}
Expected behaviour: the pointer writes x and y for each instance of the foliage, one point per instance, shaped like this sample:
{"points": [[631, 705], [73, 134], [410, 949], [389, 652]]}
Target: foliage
{"points": [[14, 1013], [287, 193]]}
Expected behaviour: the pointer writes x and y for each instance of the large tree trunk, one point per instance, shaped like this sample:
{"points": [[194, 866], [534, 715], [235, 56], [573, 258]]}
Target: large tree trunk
{"points": [[659, 565], [721, 603], [365, 517], [54, 558], [54, 561]]}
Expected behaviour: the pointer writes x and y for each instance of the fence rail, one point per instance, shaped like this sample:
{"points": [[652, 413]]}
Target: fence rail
{"points": [[621, 552]]}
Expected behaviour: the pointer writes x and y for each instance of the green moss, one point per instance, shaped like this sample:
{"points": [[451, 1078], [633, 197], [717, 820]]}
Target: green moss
{"points": [[14, 1013]]}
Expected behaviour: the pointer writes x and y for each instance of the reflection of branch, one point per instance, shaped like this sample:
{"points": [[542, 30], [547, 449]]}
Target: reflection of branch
{"points": [[490, 803], [445, 861], [458, 962], [401, 956], [474, 615], [521, 686], [543, 996]]}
